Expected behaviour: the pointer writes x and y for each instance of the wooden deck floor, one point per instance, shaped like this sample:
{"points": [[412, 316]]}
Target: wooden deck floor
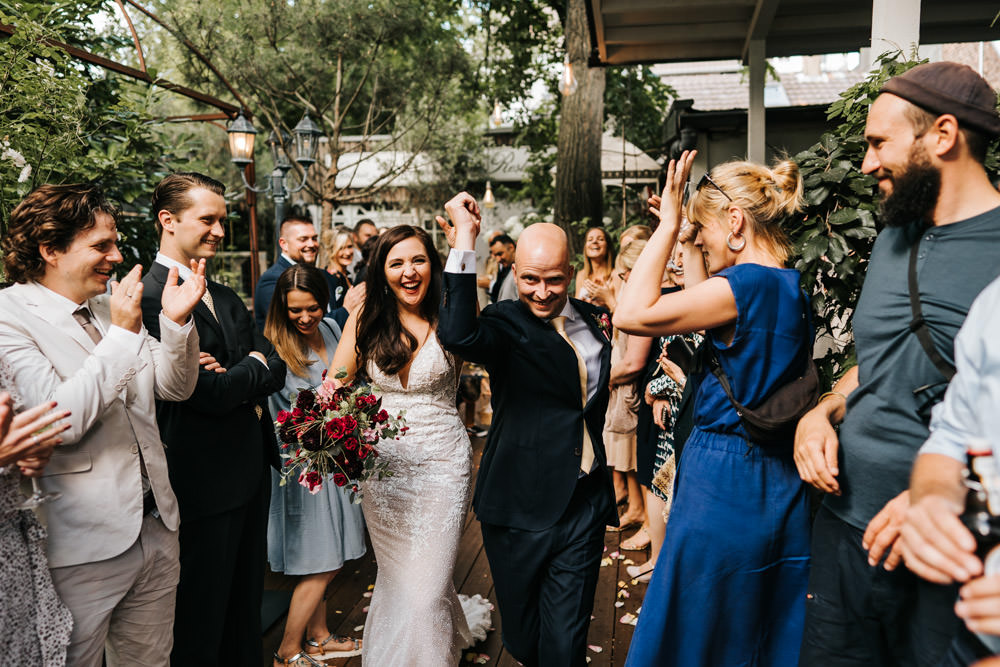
{"points": [[347, 604]]}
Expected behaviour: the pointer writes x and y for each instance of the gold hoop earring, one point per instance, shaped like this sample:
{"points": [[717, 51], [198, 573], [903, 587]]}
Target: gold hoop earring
{"points": [[729, 242]]}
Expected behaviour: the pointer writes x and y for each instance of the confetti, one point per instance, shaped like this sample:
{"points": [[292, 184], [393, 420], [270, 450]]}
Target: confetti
{"points": [[371, 587], [614, 554], [623, 594], [364, 610], [594, 648], [606, 561], [628, 561], [628, 619], [619, 604], [482, 659], [366, 595], [338, 612], [621, 584], [359, 628]]}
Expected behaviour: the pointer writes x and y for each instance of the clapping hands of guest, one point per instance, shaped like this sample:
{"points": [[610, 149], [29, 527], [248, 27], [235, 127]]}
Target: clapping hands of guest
{"points": [[179, 300], [598, 294], [22, 439]]}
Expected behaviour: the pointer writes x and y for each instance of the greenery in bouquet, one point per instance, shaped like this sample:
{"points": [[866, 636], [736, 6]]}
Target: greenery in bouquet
{"points": [[332, 433]]}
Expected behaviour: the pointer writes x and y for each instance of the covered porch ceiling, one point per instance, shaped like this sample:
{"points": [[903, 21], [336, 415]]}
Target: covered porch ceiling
{"points": [[625, 32]]}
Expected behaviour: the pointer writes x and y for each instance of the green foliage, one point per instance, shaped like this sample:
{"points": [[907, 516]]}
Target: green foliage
{"points": [[359, 67], [833, 240], [63, 122]]}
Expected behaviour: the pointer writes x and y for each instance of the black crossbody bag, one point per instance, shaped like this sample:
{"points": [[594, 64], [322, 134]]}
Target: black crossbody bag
{"points": [[929, 394], [773, 422]]}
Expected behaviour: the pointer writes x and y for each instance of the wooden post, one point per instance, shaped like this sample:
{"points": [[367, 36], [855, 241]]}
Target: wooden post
{"points": [[756, 144]]}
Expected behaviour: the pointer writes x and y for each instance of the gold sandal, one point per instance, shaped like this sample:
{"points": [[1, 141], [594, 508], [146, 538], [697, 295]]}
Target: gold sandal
{"points": [[300, 659]]}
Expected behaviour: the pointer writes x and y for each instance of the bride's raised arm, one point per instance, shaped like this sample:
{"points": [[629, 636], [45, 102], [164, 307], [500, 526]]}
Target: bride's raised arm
{"points": [[346, 356]]}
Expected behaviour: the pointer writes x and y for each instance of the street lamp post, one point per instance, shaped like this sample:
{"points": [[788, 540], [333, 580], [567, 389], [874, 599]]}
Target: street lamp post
{"points": [[306, 139]]}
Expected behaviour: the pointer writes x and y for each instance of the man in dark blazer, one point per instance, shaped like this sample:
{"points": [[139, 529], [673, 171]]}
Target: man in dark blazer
{"points": [[544, 493], [219, 442], [299, 245]]}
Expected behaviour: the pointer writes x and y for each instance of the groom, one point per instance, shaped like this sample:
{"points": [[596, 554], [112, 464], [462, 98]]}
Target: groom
{"points": [[544, 494]]}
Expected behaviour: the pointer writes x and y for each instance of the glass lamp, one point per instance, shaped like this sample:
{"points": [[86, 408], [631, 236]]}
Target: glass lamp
{"points": [[241, 140]]}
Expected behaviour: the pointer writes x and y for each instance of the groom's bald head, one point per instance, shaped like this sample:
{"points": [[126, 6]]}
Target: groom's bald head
{"points": [[542, 270]]}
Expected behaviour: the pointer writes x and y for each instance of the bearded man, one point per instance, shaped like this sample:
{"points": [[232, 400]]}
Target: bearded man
{"points": [[927, 134]]}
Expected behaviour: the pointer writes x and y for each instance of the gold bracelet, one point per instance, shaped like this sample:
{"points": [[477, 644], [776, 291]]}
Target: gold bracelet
{"points": [[831, 393]]}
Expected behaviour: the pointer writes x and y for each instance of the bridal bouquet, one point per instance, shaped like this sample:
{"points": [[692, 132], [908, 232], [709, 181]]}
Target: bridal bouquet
{"points": [[335, 430]]}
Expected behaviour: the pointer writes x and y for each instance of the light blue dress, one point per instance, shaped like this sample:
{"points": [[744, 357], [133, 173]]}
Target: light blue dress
{"points": [[309, 534]]}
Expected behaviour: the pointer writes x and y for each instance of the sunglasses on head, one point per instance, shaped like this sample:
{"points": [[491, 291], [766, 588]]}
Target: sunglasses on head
{"points": [[707, 180]]}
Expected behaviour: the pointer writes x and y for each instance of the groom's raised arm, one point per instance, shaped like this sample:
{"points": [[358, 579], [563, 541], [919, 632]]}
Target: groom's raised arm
{"points": [[460, 328]]}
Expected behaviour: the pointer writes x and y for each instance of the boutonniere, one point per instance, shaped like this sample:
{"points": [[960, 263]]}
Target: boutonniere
{"points": [[603, 323]]}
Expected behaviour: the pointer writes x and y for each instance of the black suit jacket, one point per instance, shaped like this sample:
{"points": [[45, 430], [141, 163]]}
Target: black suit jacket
{"points": [[265, 292], [217, 447], [531, 463]]}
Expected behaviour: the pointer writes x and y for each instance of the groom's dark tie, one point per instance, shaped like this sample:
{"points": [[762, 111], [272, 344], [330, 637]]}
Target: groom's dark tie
{"points": [[587, 460]]}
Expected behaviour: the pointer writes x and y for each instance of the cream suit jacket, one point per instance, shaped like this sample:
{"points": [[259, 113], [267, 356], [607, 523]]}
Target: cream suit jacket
{"points": [[111, 393]]}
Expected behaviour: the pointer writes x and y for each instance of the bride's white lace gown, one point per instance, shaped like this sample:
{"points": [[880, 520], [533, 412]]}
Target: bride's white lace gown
{"points": [[415, 519]]}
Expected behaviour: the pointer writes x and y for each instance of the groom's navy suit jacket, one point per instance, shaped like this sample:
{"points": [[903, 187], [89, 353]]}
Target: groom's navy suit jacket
{"points": [[531, 463]]}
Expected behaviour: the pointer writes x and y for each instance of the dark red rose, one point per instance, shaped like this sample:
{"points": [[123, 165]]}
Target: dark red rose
{"points": [[305, 400], [363, 451], [350, 423], [283, 416], [381, 416], [335, 428], [340, 479], [297, 415], [351, 443]]}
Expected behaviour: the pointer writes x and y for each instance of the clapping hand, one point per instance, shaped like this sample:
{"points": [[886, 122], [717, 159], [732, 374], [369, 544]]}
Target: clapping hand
{"points": [[598, 294], [465, 218], [179, 300], [126, 301]]}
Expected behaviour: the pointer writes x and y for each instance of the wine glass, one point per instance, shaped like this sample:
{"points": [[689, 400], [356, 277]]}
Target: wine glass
{"points": [[38, 497]]}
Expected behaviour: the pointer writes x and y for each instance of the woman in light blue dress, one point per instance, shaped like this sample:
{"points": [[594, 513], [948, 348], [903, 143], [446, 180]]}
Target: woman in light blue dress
{"points": [[308, 535]]}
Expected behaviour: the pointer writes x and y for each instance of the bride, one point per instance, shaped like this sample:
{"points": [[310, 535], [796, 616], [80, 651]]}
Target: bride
{"points": [[415, 516]]}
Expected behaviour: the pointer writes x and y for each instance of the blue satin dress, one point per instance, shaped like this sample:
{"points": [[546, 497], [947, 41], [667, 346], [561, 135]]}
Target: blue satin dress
{"points": [[729, 586]]}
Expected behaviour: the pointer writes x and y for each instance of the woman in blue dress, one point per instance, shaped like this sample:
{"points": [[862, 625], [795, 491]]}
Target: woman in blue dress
{"points": [[729, 586], [308, 535]]}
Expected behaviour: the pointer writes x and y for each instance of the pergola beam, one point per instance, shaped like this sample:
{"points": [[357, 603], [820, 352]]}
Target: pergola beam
{"points": [[760, 24]]}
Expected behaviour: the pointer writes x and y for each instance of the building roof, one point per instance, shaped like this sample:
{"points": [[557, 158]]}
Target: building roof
{"points": [[627, 32]]}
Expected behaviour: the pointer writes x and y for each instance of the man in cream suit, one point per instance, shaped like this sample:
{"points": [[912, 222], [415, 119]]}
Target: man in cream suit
{"points": [[112, 546]]}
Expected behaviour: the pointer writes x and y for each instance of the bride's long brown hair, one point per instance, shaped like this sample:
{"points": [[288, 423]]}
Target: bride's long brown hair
{"points": [[381, 336]]}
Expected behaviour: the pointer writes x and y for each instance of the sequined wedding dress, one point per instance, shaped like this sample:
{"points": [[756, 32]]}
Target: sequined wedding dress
{"points": [[415, 519]]}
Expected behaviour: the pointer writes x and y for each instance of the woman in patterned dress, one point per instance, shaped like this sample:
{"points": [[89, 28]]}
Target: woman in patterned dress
{"points": [[34, 624]]}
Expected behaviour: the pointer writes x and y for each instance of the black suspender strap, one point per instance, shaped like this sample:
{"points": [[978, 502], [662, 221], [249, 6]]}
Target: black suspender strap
{"points": [[918, 325]]}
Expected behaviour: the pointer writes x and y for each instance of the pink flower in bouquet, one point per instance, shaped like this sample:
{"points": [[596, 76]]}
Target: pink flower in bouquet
{"points": [[339, 478], [312, 480], [370, 435], [326, 390]]}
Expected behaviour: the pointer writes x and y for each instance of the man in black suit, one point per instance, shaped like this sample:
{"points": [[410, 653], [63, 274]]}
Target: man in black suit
{"points": [[544, 494], [219, 442], [299, 245]]}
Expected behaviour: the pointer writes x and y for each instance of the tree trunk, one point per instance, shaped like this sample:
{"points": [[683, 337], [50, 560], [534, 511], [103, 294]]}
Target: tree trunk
{"points": [[578, 193]]}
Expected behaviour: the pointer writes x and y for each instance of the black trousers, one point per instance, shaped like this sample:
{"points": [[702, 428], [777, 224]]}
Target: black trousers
{"points": [[858, 615], [545, 580], [223, 557]]}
